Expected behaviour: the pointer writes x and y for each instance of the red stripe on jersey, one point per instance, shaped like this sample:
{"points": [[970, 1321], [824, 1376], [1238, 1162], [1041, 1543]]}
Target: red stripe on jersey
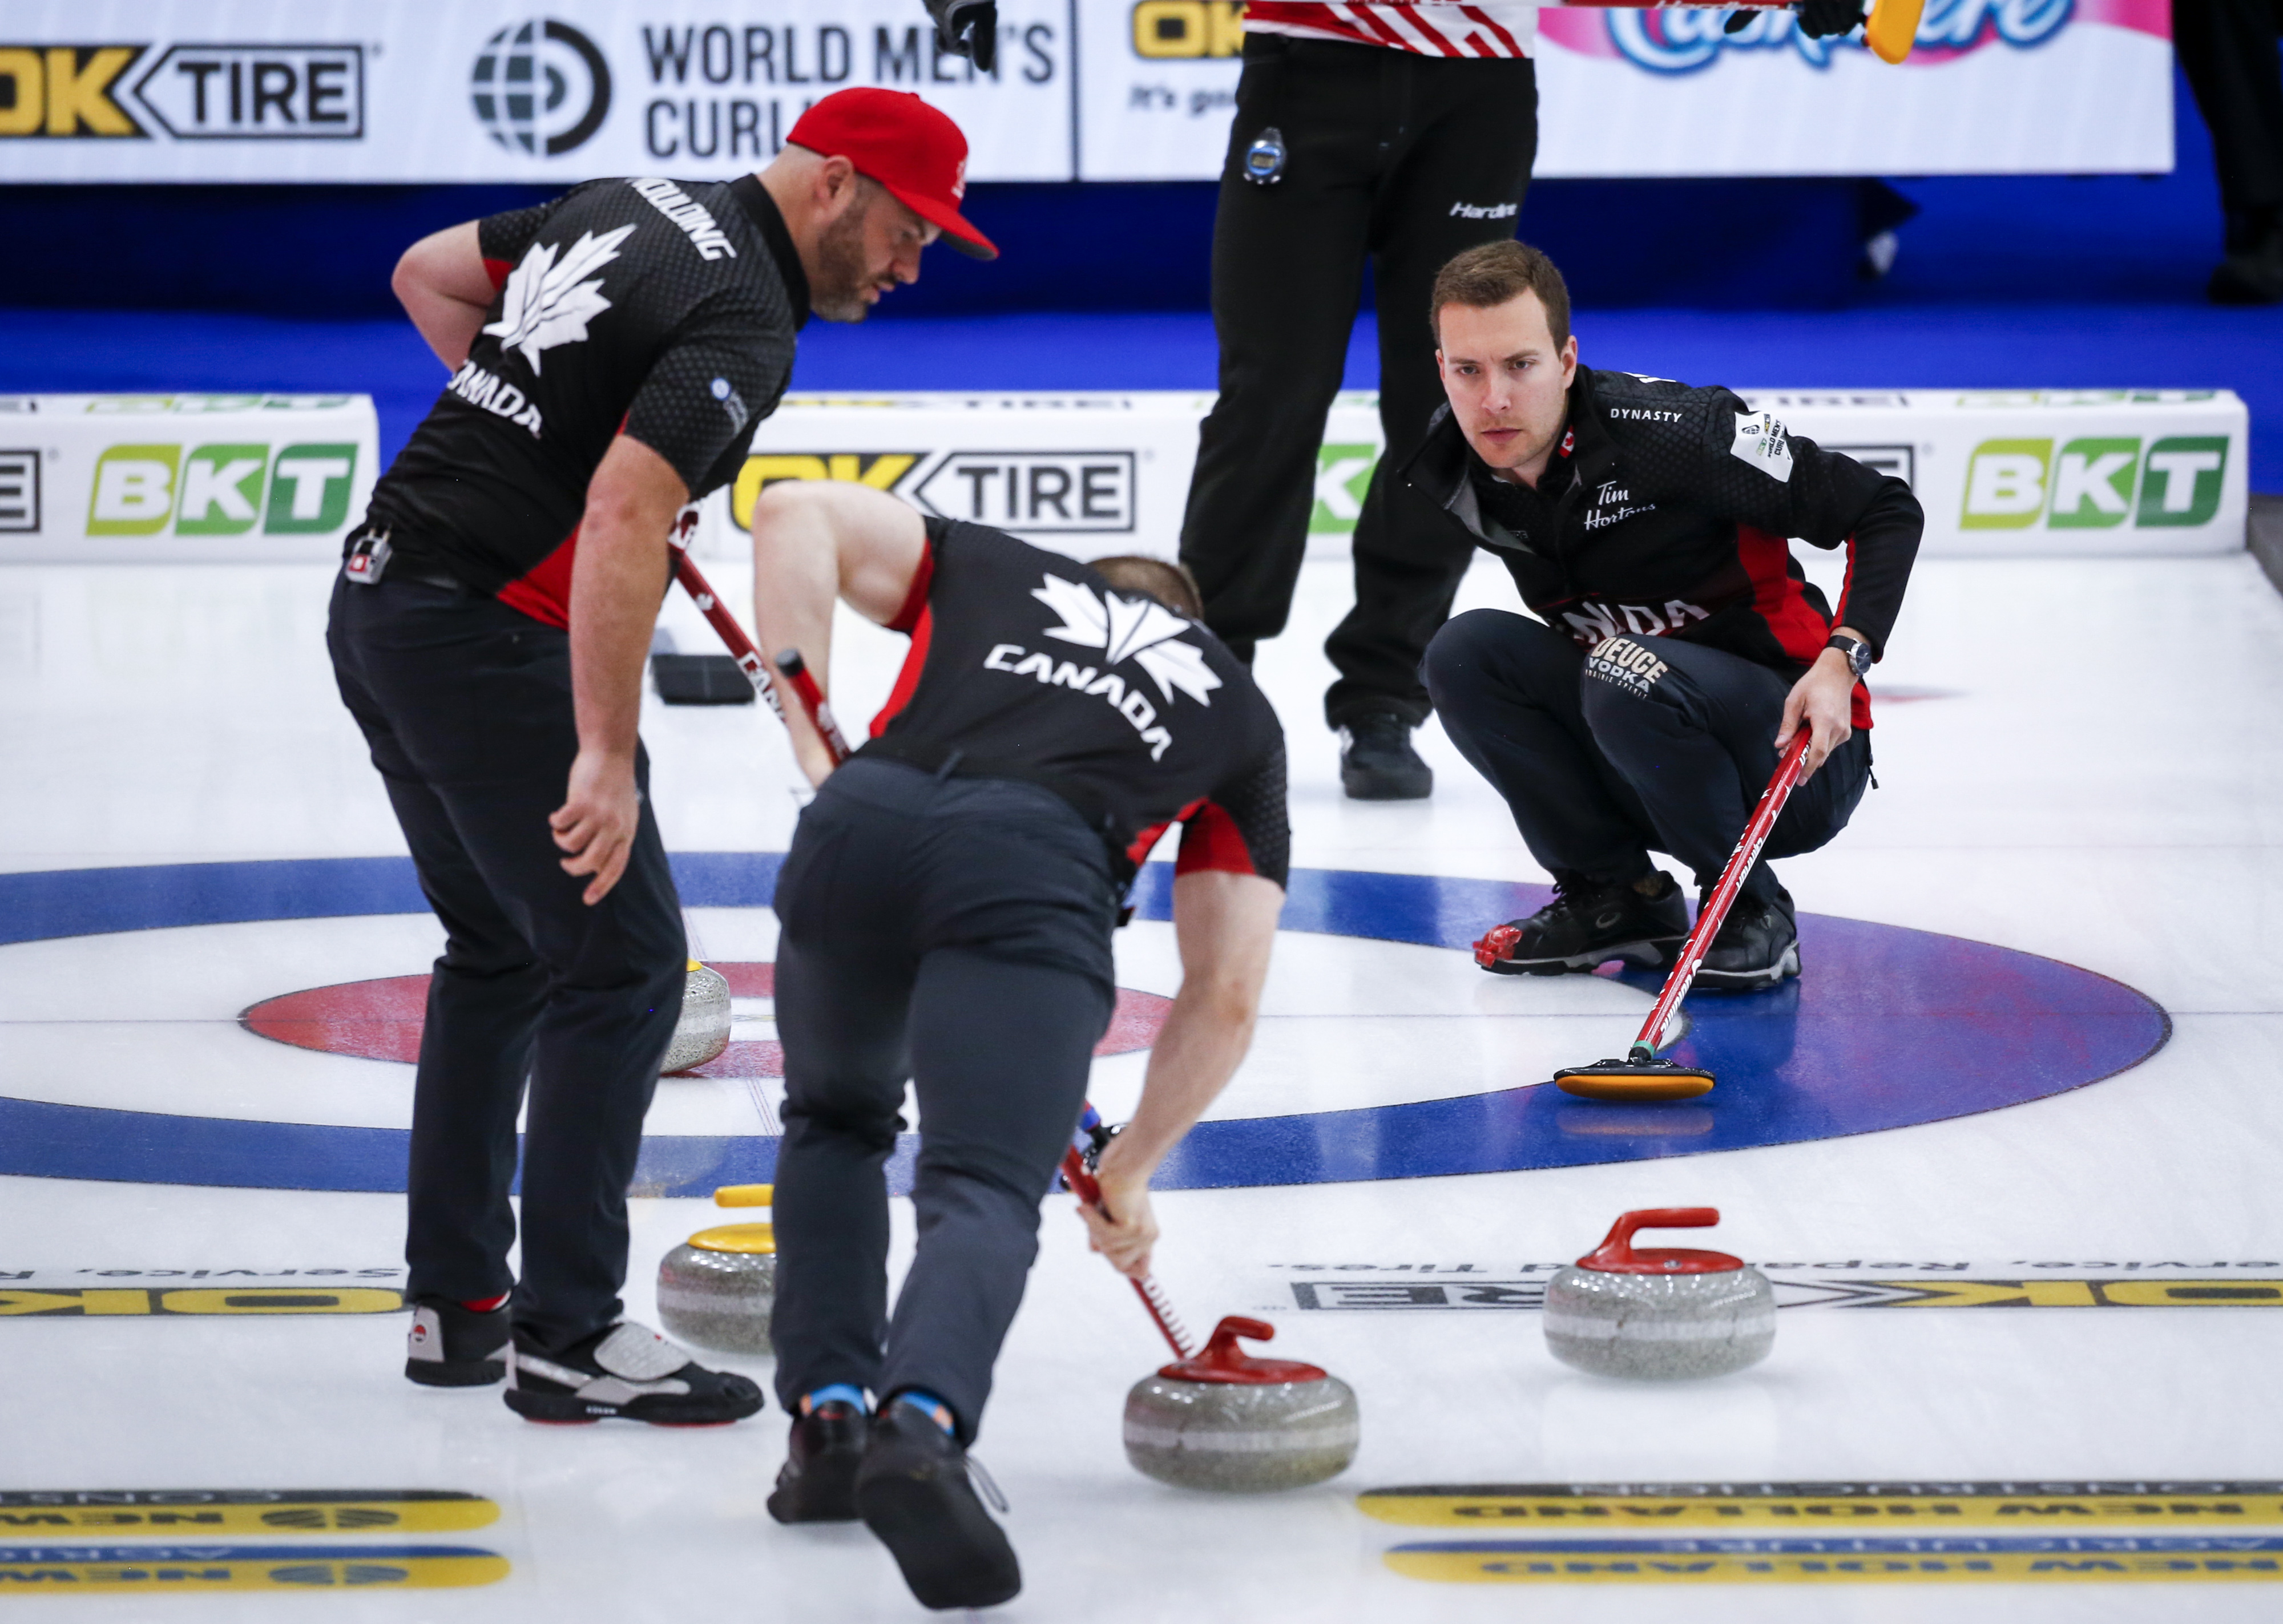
{"points": [[497, 270], [907, 680], [1781, 601], [543, 592], [1210, 839], [915, 600], [1507, 44], [1138, 853], [1418, 19]]}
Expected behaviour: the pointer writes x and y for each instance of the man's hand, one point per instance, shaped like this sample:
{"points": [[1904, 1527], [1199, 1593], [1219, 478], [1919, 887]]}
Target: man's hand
{"points": [[597, 822], [1127, 1230], [968, 29], [1824, 700]]}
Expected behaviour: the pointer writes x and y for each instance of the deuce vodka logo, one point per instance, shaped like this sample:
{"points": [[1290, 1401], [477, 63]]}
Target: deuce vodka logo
{"points": [[222, 490], [2093, 483]]}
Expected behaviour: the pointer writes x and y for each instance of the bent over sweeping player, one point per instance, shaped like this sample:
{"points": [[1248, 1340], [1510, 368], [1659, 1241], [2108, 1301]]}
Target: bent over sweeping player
{"points": [[946, 908], [611, 351], [1677, 647]]}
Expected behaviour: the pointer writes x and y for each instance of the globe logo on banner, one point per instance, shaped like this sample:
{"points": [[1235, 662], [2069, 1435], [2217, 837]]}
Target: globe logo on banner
{"points": [[540, 86]]}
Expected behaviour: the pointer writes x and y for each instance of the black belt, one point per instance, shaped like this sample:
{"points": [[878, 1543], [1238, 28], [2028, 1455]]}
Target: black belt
{"points": [[372, 542], [944, 761]]}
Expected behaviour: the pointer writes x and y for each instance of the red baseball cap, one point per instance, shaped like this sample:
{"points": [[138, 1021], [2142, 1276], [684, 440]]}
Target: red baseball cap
{"points": [[911, 148]]}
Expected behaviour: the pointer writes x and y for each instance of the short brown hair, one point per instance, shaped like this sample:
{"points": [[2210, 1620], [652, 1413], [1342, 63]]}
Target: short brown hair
{"points": [[1485, 277], [1171, 584]]}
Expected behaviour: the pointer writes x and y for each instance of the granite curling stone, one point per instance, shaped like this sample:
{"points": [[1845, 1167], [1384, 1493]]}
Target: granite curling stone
{"points": [[1660, 1316], [1225, 1420], [719, 1289], [703, 1031]]}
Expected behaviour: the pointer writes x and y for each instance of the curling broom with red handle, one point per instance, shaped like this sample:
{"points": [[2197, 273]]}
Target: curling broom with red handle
{"points": [[1641, 1074], [1076, 1174]]}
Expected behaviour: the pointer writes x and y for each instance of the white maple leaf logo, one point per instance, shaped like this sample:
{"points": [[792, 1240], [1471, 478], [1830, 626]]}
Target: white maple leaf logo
{"points": [[547, 304], [1137, 629]]}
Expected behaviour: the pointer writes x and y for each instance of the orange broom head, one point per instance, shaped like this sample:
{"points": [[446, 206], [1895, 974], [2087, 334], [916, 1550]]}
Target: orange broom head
{"points": [[1634, 1080]]}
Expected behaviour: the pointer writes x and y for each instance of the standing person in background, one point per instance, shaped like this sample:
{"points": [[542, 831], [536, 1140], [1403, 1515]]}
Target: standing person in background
{"points": [[2229, 51], [1400, 133], [610, 351]]}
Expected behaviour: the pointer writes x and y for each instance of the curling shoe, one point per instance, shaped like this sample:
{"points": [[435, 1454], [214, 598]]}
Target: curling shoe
{"points": [[1588, 924], [914, 1491], [817, 1483], [626, 1369], [1377, 762], [450, 1345], [1758, 946]]}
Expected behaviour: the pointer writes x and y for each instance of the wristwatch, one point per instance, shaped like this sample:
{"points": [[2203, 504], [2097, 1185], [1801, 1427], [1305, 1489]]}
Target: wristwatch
{"points": [[1858, 652]]}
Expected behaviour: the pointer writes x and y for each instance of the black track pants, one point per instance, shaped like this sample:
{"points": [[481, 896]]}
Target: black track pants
{"points": [[2230, 52], [1409, 160], [954, 932], [1655, 745], [465, 704]]}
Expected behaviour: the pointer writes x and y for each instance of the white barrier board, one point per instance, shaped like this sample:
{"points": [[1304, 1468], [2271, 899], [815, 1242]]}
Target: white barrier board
{"points": [[2065, 473], [183, 477], [410, 90]]}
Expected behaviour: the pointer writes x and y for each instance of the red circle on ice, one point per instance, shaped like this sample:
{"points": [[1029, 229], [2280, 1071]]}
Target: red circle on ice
{"points": [[380, 1020]]}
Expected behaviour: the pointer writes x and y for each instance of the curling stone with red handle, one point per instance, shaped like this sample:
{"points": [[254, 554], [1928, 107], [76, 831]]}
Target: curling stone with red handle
{"points": [[1661, 1315], [1228, 1421], [719, 1289], [703, 1031]]}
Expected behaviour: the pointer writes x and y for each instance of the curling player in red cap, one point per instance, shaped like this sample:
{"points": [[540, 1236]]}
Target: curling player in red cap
{"points": [[610, 351]]}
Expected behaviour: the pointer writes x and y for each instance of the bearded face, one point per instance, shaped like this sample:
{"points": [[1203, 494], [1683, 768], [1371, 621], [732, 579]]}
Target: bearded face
{"points": [[872, 248]]}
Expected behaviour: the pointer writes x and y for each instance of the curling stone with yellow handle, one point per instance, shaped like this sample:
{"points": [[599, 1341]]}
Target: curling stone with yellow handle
{"points": [[718, 1289], [703, 1031]]}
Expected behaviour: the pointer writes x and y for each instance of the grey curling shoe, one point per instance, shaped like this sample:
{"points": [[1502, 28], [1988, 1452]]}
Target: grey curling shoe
{"points": [[1660, 1316], [1225, 1420], [703, 1032], [719, 1288]]}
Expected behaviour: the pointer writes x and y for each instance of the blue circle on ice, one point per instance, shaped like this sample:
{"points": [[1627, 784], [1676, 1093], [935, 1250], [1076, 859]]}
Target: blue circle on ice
{"points": [[1887, 1027]]}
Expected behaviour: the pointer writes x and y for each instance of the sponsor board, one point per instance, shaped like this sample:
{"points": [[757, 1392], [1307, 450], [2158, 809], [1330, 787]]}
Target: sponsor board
{"points": [[92, 1302], [43, 1513], [1856, 1284], [1085, 474], [1603, 1506], [1994, 86], [1117, 90], [395, 91], [188, 1570], [2053, 472], [183, 477], [2088, 1559]]}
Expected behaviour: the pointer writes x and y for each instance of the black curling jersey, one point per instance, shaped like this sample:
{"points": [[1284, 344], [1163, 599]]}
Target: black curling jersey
{"points": [[1028, 664], [1665, 512], [664, 309]]}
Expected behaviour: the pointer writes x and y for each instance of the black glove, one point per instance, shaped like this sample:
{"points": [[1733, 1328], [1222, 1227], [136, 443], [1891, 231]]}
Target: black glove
{"points": [[1821, 19], [968, 29]]}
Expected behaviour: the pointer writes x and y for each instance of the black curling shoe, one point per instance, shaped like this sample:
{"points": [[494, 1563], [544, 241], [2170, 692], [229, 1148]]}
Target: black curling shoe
{"points": [[913, 1492], [626, 1369], [1758, 946], [818, 1481], [1377, 762], [1587, 924], [449, 1346]]}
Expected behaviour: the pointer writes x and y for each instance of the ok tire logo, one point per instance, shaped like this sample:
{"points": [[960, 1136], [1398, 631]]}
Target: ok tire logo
{"points": [[2095, 483], [222, 490]]}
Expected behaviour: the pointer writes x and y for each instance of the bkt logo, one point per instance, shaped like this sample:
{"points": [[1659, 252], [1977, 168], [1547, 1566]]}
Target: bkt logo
{"points": [[2092, 483], [220, 490], [190, 92]]}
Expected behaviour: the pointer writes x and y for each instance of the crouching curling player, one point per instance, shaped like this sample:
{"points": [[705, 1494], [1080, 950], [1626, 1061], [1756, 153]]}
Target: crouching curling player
{"points": [[1677, 647], [947, 910]]}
